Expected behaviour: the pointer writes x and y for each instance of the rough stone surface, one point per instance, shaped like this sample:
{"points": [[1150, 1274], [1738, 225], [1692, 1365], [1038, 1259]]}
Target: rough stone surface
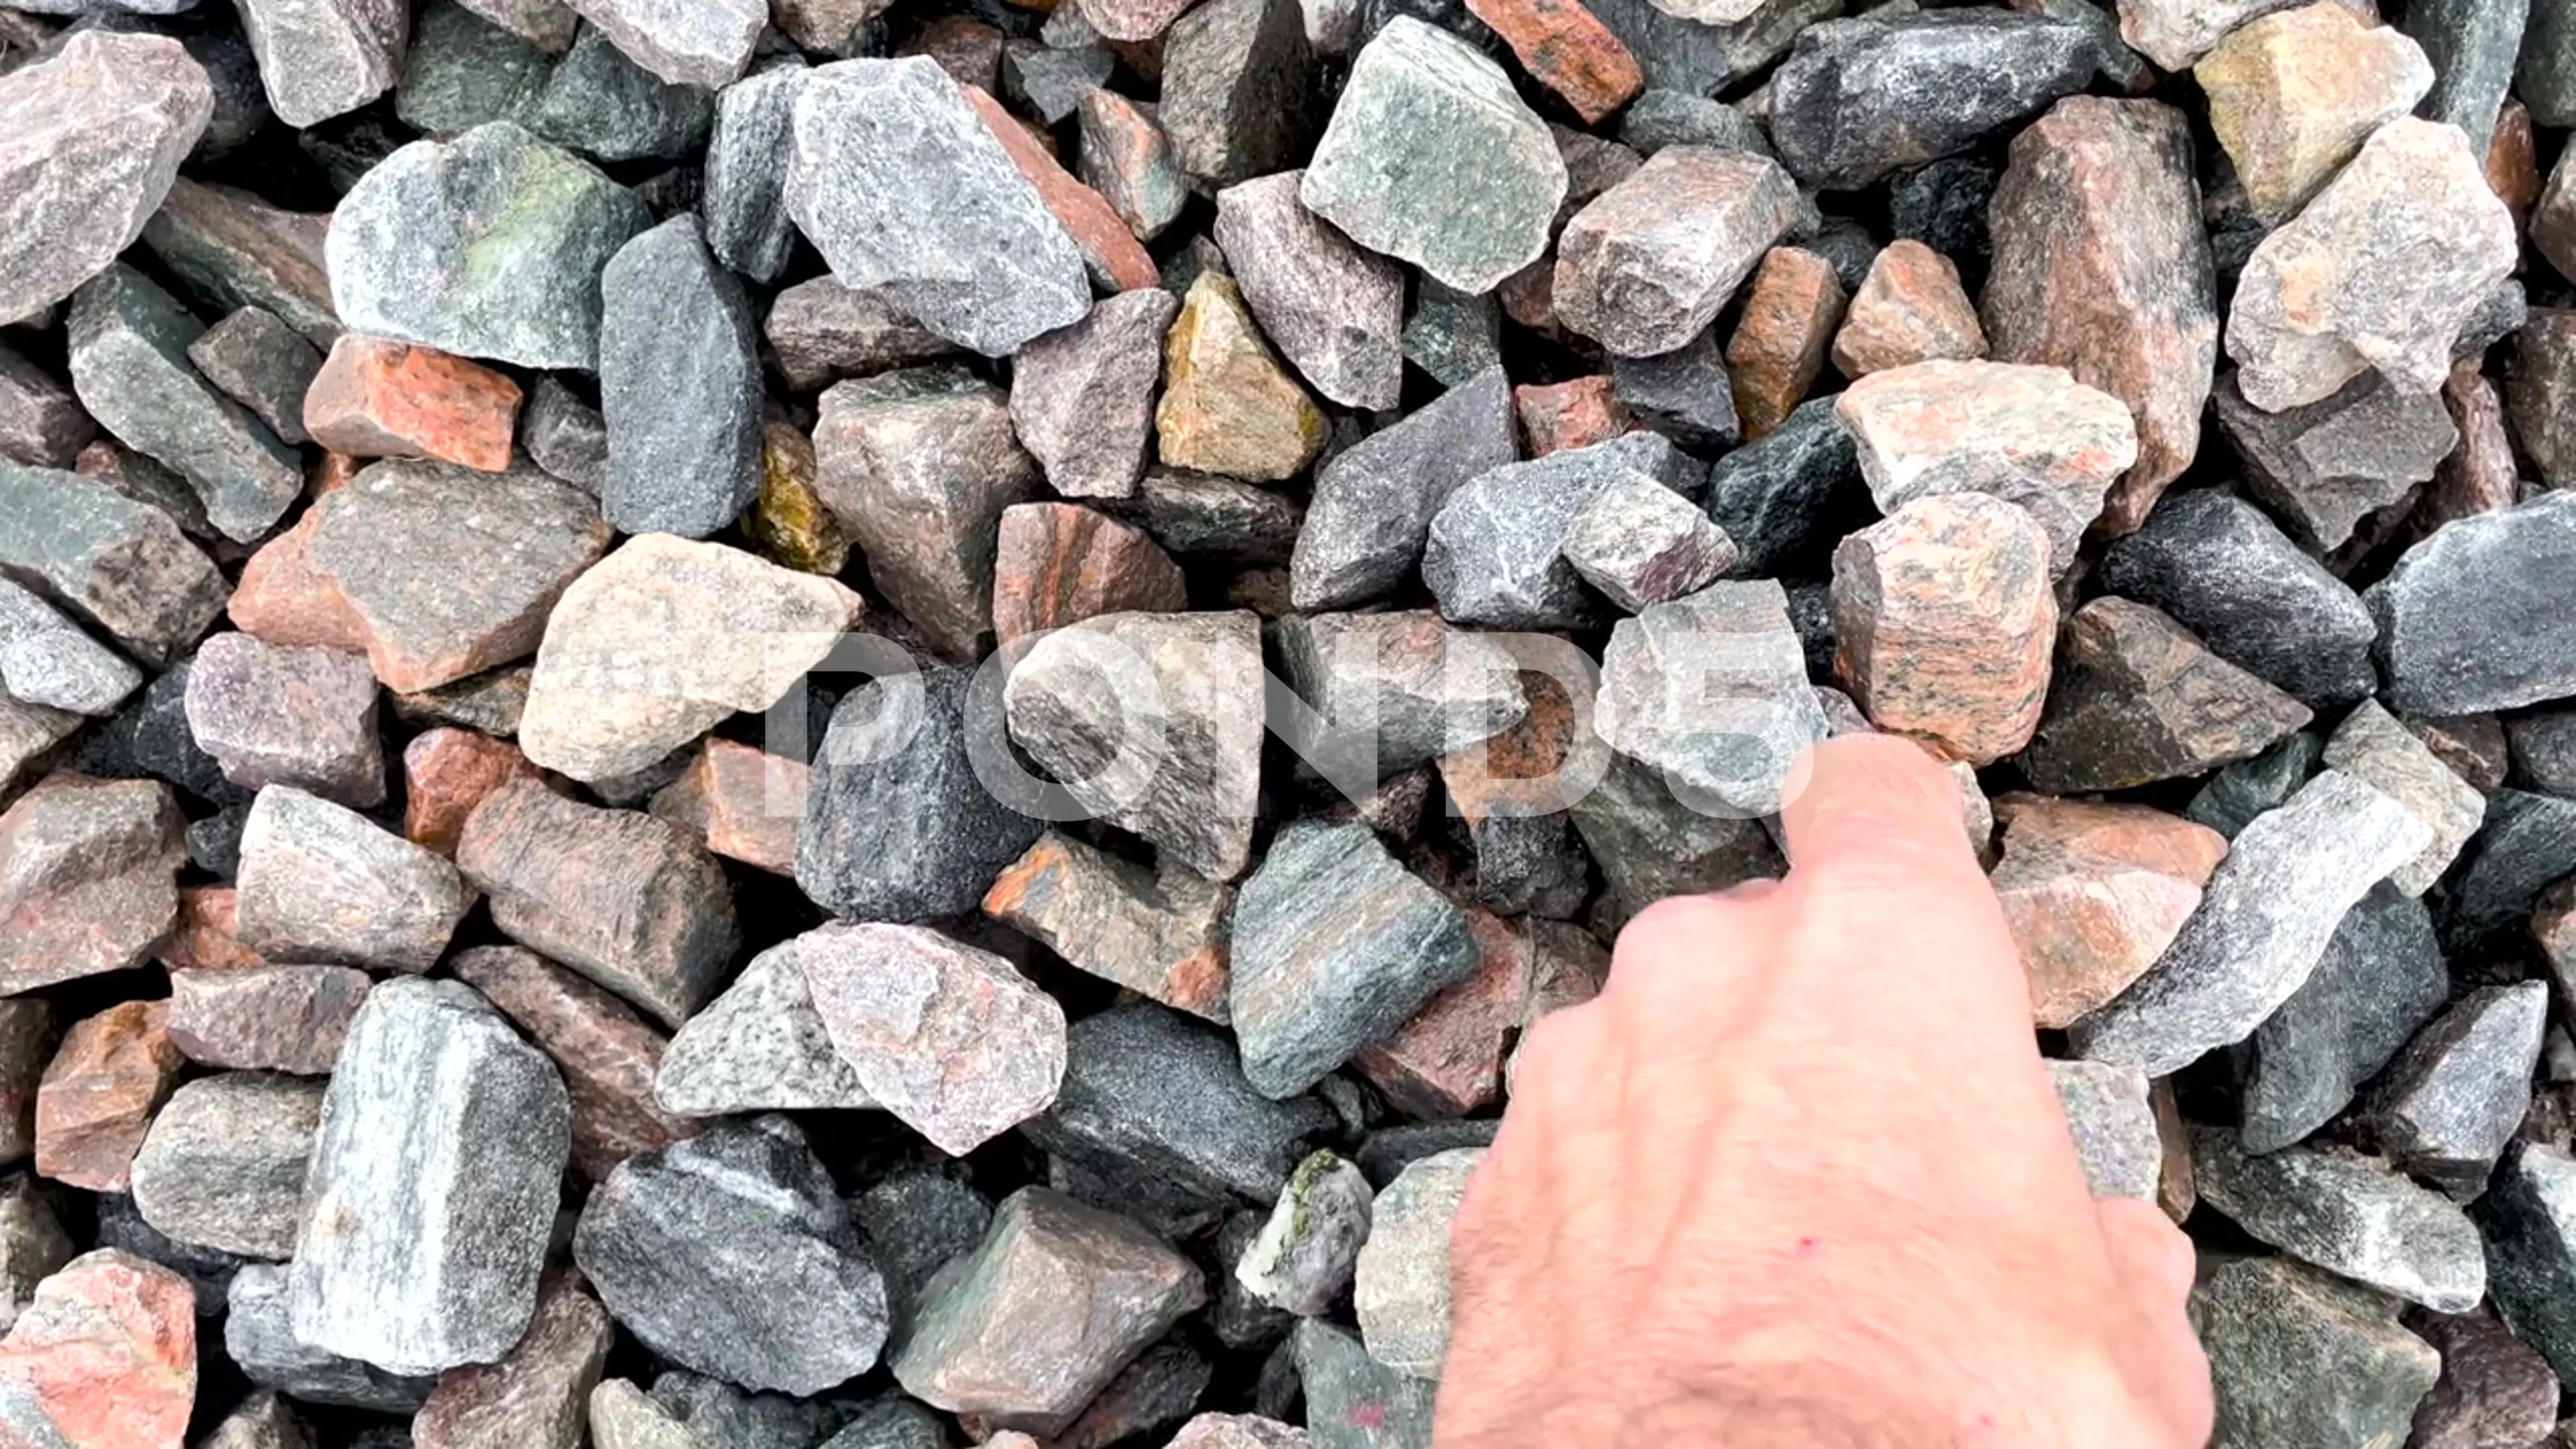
{"points": [[490, 245], [1110, 253], [2448, 1105], [625, 899], [2275, 1331], [1127, 159], [1304, 1256], [2494, 1389], [1239, 84], [1228, 406], [730, 1254], [2095, 893], [41, 424], [1641, 544], [2137, 699], [321, 883], [758, 1047], [607, 1055], [2114, 1127], [105, 1354], [261, 363], [1647, 265], [223, 1164], [259, 1335], [1392, 690], [2528, 1216], [1712, 691], [538, 1395], [1237, 1431], [1082, 397], [86, 882], [2348, 1215], [120, 565], [745, 201], [432, 1185], [379, 399], [706, 43], [1423, 120], [2466, 617], [1860, 98], [1058, 563], [1790, 315], [99, 1092], [1787, 498], [820, 330], [1199, 515], [2373, 747], [1352, 1400], [229, 250], [1162, 935], [2264, 921], [1374, 502], [2327, 466], [679, 387], [743, 801], [323, 58], [2293, 95], [265, 1018], [2380, 978], [1335, 311], [2313, 311], [446, 773], [1494, 553], [1401, 1286], [300, 717], [1911, 309], [601, 103], [26, 1044]]}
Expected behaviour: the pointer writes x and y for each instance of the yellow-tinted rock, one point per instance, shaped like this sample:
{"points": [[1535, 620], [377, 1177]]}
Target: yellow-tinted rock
{"points": [[789, 521], [2292, 96], [1228, 406]]}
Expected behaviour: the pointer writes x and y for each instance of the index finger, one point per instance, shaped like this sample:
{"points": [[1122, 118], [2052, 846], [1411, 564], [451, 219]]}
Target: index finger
{"points": [[1876, 802]]}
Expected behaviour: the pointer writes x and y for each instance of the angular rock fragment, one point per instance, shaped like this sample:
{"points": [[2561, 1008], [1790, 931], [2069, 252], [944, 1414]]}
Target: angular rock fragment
{"points": [[1641, 544], [379, 399], [2373, 747], [2327, 466], [1082, 397], [1057, 563], [2348, 1215], [1576, 413], [1944, 623], [1303, 1259], [1452, 335], [265, 1018], [1163, 936], [727, 632], [96, 134], [679, 387], [406, 245], [259, 1336], [2528, 1217], [536, 1396], [918, 466], [1789, 318], [300, 717], [263, 364], [2113, 1125], [2380, 978], [1786, 499], [446, 773], [608, 1056], [1423, 120], [1211, 518], [2450, 1103], [758, 1047], [1228, 406], [745, 201], [1335, 311], [2313, 310], [1352, 1400], [111, 1073], [1112, 256], [2263, 923], [821, 330], [324, 58], [730, 1254], [26, 1045], [105, 1354], [462, 69], [1401, 1288], [33, 1245], [2494, 1388], [1374, 502], [1127, 159], [907, 194], [120, 565], [1912, 309], [1647, 265], [600, 103], [743, 802], [1391, 691], [1447, 1059], [41, 424], [230, 250], [788, 519], [1683, 394], [1154, 721], [1335, 945], [2094, 893], [262, 1421], [1494, 553], [617, 895], [321, 883], [2526, 842], [432, 1186], [703, 44], [2275, 1331], [2466, 618], [1853, 101], [223, 1164], [1239, 83], [2137, 699], [2293, 95], [1712, 691], [1057, 1299], [2028, 435], [86, 883]]}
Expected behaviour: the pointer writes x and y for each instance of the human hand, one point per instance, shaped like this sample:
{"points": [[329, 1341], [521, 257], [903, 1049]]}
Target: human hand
{"points": [[1797, 1178]]}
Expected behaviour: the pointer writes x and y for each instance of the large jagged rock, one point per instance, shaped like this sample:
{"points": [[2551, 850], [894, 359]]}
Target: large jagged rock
{"points": [[2276, 1331], [2468, 619], [2454, 1099], [112, 562], [324, 58], [1494, 555], [2326, 467], [679, 387], [2528, 1217], [2380, 978], [86, 878], [608, 1055], [2348, 1215], [1645, 266], [760, 1047], [2137, 699], [1860, 98], [321, 883], [1082, 398], [223, 1165], [1228, 405]]}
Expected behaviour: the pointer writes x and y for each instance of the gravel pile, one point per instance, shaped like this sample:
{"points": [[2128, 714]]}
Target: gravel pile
{"points": [[862, 725]]}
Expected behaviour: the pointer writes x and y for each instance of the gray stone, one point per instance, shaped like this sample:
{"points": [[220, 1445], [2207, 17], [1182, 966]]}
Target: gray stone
{"points": [[2222, 570], [489, 246], [27, 1040], [1650, 844], [1239, 83], [892, 1422], [1155, 723], [2381, 977], [444, 1137], [1374, 502], [321, 883], [47, 661], [565, 436], [2114, 1127], [721, 1415], [1642, 544], [261, 1421], [1401, 1287], [2315, 307], [223, 1164], [2263, 923], [1786, 498], [2529, 1218], [2328, 466], [1493, 555], [759, 1047], [1684, 394], [1335, 311], [227, 249], [33, 1244], [1394, 690], [2544, 751], [622, 1416], [1057, 1299], [2468, 619], [913, 1223], [2371, 746], [85, 879], [2473, 45], [602, 104], [1082, 398], [2526, 842], [1711, 690], [95, 134], [706, 43], [1860, 98], [1303, 1259], [1352, 1400], [1216, 518], [463, 70], [151, 738], [323, 58], [2546, 79], [1424, 121], [1050, 80], [277, 716], [2352, 1216], [1335, 946], [261, 1339], [2276, 1333], [2136, 699], [1660, 118], [1452, 335], [745, 200], [261, 363], [2454, 1098], [730, 1254], [119, 565], [1645, 267], [821, 330], [41, 425], [906, 193], [679, 387], [129, 362]]}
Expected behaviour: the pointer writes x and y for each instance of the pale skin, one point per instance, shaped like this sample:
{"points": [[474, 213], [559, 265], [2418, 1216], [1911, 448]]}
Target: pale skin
{"points": [[1797, 1180]]}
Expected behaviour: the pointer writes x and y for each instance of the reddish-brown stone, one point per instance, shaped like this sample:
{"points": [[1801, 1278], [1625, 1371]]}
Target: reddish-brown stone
{"points": [[2479, 476], [87, 878], [203, 938], [380, 399], [1944, 622], [1790, 315], [2095, 893], [1128, 160], [1163, 936], [1573, 414], [1911, 308], [1058, 563], [1447, 1060], [1106, 243], [99, 1093], [607, 1054], [2473, 745], [2177, 1188], [1568, 50], [745, 802], [969, 50], [446, 773], [2513, 161], [285, 598], [108, 1351], [537, 1396], [266, 1018], [334, 472], [1529, 297]]}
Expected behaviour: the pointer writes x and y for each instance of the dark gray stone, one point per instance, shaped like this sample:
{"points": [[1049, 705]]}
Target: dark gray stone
{"points": [[1392, 690], [821, 330], [41, 425], [2473, 45], [488, 246], [1239, 89], [263, 364], [2220, 569], [1650, 845], [1374, 502], [151, 737], [1493, 556], [1682, 394], [893, 1422], [1860, 98], [745, 201], [602, 104], [462, 70], [1050, 80], [2453, 1100], [2381, 977], [1660, 118], [2526, 842], [2544, 751], [227, 249], [1943, 205], [912, 1224], [1684, 55], [2328, 465], [1788, 497], [223, 1164], [565, 436], [2244, 790], [679, 387], [729, 1253], [2469, 618], [2136, 699], [2529, 1218], [1335, 946], [1352, 1400], [1452, 335], [2276, 1333], [33, 1245], [2352, 1216], [1223, 519], [259, 1337], [724, 1417], [2546, 78]]}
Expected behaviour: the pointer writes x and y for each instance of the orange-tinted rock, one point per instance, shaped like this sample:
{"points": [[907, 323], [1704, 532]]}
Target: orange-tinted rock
{"points": [[1909, 309], [286, 599], [332, 474], [2479, 476], [1574, 414], [2177, 1189], [1790, 315], [446, 773], [266, 1018], [1106, 244], [108, 1351], [203, 939], [1944, 621], [1447, 1060], [1163, 936], [1057, 563], [608, 1055], [744, 801], [99, 1092], [2513, 161], [1128, 160], [1568, 50], [380, 399], [2095, 893]]}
